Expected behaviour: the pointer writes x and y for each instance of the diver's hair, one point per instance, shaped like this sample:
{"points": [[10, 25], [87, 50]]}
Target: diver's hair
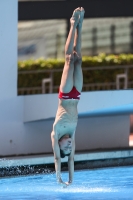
{"points": [[62, 154]]}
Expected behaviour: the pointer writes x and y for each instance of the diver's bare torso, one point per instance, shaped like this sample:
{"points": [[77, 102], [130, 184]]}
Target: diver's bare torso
{"points": [[66, 117]]}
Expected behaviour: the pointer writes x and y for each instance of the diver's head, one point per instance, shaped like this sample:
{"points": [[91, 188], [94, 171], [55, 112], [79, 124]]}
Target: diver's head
{"points": [[65, 144]]}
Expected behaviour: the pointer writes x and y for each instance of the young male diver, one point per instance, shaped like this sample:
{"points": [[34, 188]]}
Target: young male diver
{"points": [[64, 127]]}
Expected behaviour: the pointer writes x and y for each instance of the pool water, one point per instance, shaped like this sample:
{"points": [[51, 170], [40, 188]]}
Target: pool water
{"points": [[98, 184]]}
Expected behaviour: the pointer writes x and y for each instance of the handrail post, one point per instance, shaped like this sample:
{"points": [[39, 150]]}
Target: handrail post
{"points": [[51, 83], [126, 72], [131, 37], [44, 81], [112, 38], [94, 41], [118, 77]]}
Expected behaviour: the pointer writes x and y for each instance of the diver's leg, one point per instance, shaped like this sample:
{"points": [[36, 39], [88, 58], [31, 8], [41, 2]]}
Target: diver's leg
{"points": [[78, 76], [67, 75]]}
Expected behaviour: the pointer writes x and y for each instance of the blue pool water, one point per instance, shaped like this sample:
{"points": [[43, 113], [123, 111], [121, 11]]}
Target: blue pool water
{"points": [[98, 184]]}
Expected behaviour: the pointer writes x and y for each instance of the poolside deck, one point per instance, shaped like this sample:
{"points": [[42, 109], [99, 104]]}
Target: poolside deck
{"points": [[44, 163]]}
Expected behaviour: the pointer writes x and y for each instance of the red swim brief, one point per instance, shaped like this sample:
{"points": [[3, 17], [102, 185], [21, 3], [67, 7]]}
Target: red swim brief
{"points": [[73, 94]]}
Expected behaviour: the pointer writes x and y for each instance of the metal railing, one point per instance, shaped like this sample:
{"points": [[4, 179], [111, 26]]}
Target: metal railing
{"points": [[86, 87]]}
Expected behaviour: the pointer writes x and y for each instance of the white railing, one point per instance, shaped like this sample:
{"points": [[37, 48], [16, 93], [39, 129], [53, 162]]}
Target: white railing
{"points": [[121, 76]]}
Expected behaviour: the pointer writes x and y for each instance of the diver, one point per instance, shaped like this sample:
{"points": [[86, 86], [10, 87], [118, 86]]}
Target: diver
{"points": [[64, 127]]}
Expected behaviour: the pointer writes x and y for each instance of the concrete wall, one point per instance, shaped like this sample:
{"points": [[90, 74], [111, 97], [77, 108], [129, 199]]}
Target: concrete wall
{"points": [[38, 107], [101, 132], [93, 132], [8, 48], [24, 127]]}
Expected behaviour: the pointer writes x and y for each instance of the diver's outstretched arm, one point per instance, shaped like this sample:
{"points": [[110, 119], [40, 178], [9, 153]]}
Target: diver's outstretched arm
{"points": [[57, 159], [71, 161]]}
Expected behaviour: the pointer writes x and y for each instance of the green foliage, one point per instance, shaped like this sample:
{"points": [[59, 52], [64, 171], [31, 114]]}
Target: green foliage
{"points": [[100, 60], [96, 76], [40, 64]]}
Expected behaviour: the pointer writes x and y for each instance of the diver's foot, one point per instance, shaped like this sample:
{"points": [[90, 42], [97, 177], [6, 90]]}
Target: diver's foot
{"points": [[75, 17], [82, 12]]}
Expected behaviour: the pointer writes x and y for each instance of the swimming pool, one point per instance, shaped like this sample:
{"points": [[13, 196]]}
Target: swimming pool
{"points": [[98, 184]]}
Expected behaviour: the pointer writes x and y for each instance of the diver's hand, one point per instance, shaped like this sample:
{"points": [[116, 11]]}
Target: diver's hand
{"points": [[68, 183], [63, 184]]}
